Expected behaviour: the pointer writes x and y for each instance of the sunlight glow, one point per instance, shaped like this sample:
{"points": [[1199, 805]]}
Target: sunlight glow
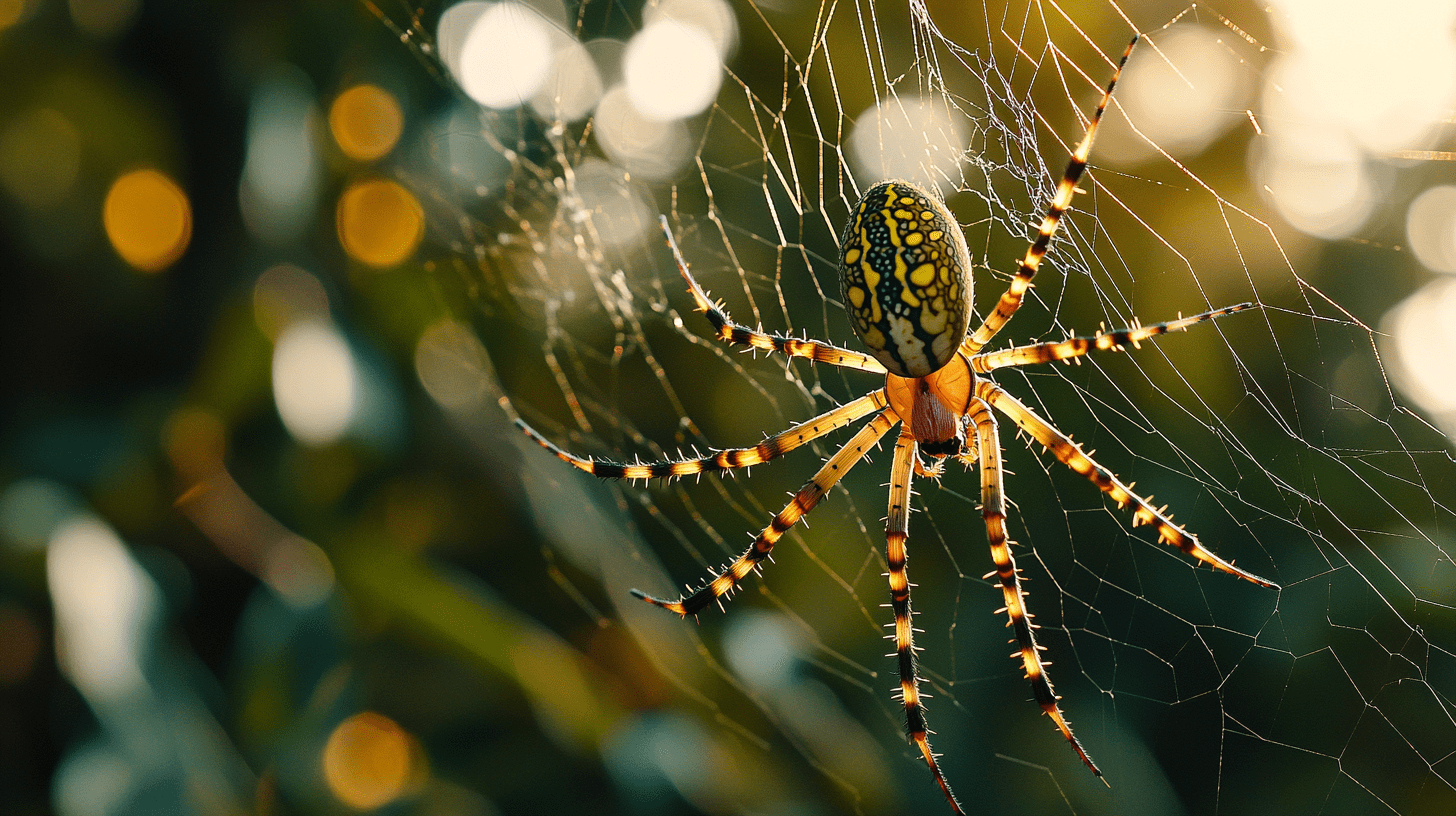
{"points": [[1430, 224], [574, 85], [1347, 89], [911, 138], [148, 220], [315, 382], [672, 70], [714, 17], [1417, 338], [655, 150], [1182, 96], [500, 53]]}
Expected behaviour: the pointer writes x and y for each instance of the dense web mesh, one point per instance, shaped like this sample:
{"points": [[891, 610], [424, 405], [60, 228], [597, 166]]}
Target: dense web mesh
{"points": [[1274, 434]]}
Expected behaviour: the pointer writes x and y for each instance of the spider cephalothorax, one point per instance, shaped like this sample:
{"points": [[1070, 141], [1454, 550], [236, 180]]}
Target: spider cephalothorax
{"points": [[905, 274]]}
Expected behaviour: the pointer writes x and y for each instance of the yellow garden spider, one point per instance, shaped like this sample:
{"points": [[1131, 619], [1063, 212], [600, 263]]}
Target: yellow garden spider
{"points": [[905, 272]]}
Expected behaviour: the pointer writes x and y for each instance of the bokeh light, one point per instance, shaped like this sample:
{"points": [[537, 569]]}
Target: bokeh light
{"points": [[40, 156], [672, 70], [369, 761], [103, 18], [1417, 338], [1346, 90], [104, 602], [500, 53], [284, 295], [148, 220], [652, 149], [909, 138], [1181, 96], [315, 382], [380, 223], [11, 12], [574, 85], [280, 183], [453, 366], [366, 122], [713, 17], [1430, 225]]}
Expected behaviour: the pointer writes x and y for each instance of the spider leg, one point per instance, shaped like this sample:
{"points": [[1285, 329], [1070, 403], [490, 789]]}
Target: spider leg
{"points": [[1061, 201], [1074, 347], [993, 510], [730, 331], [730, 459], [1070, 454], [804, 501], [897, 528]]}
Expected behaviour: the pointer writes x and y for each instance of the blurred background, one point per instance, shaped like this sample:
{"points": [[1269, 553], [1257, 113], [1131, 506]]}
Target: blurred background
{"points": [[278, 275]]}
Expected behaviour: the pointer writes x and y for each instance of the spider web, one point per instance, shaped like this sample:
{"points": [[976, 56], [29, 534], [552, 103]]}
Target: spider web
{"points": [[1274, 435]]}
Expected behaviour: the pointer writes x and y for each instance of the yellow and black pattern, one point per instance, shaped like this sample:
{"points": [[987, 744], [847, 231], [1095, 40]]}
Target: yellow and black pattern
{"points": [[897, 532], [1061, 201], [808, 496], [1070, 454], [719, 461], [729, 331], [905, 274], [1074, 347], [906, 277], [993, 511]]}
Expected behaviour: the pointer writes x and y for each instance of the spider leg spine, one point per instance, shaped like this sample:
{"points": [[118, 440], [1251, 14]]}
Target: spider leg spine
{"points": [[902, 472], [1027, 267], [730, 331], [726, 580], [1074, 348], [993, 503], [1070, 454]]}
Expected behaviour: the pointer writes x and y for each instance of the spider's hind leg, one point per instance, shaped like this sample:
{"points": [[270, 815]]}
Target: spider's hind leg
{"points": [[805, 500], [993, 510]]}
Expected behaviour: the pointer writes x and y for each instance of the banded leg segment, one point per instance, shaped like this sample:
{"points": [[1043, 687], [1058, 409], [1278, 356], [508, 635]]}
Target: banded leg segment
{"points": [[804, 501], [1061, 201], [730, 331], [1074, 347], [1070, 454], [729, 459], [993, 511], [897, 530]]}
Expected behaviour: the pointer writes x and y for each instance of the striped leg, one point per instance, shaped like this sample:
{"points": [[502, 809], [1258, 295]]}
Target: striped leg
{"points": [[729, 331], [993, 510], [1070, 454], [730, 459], [804, 501], [1061, 202], [897, 528], [1074, 347]]}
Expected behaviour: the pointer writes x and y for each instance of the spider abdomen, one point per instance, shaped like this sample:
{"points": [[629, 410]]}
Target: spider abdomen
{"points": [[905, 273]]}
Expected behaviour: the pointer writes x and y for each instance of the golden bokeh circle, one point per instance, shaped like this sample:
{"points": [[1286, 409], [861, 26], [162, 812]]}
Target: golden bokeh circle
{"points": [[148, 219], [368, 761], [366, 122], [380, 223]]}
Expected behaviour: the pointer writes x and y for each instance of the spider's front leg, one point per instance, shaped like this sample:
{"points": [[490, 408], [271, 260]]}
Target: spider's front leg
{"points": [[805, 500], [728, 330], [993, 510]]}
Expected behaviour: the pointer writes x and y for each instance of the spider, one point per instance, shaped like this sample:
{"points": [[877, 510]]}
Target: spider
{"points": [[905, 274]]}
